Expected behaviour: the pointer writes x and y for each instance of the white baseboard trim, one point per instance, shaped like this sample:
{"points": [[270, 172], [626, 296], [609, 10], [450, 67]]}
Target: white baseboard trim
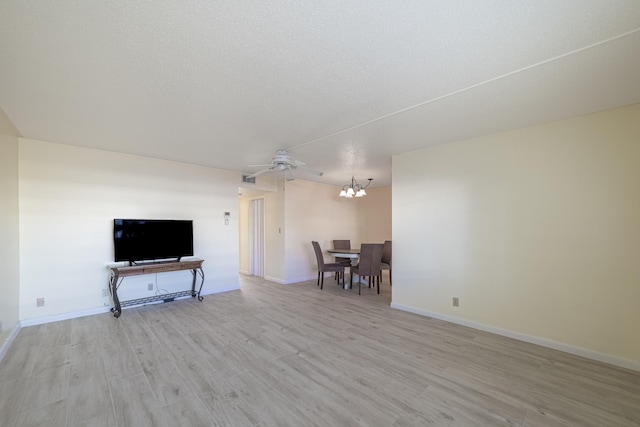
{"points": [[64, 316], [621, 362], [4, 346], [100, 310], [235, 287], [305, 278], [294, 280], [274, 279]]}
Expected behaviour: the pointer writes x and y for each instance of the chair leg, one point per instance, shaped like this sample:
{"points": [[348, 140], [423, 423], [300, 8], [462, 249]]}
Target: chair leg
{"points": [[378, 285], [321, 280], [390, 282], [318, 282]]}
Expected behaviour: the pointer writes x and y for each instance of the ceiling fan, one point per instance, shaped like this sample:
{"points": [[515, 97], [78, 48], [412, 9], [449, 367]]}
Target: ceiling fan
{"points": [[282, 162]]}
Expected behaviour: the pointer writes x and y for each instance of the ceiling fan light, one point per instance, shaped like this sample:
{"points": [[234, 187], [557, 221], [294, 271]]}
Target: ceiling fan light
{"points": [[343, 193], [350, 192], [361, 193]]}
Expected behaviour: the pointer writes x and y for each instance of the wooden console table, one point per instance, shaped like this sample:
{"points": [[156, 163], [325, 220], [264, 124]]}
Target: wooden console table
{"points": [[118, 273]]}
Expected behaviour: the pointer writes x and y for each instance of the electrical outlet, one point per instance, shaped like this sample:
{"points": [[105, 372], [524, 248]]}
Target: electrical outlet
{"points": [[105, 293], [456, 302], [150, 286], [39, 302]]}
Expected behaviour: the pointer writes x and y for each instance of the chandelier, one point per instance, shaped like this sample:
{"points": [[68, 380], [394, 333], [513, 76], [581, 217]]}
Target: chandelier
{"points": [[354, 189]]}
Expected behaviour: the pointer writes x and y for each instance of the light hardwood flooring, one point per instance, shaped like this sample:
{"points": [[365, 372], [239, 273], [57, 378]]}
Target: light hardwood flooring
{"points": [[295, 355]]}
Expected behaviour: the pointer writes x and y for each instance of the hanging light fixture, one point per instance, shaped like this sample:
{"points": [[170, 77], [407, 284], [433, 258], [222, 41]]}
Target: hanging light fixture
{"points": [[354, 189]]}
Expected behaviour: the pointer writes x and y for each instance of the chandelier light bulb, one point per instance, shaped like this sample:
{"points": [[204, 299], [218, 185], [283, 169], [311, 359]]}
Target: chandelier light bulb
{"points": [[354, 189]]}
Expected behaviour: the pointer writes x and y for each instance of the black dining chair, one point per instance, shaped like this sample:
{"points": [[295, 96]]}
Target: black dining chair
{"points": [[385, 264], [369, 264], [326, 267]]}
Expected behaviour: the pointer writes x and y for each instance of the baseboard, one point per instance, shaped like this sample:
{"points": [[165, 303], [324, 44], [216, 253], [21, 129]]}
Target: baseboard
{"points": [[235, 287], [6, 343], [101, 310], [313, 277], [621, 362], [64, 316]]}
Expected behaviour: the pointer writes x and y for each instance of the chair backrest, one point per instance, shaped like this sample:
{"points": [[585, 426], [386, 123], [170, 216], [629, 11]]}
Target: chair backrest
{"points": [[318, 251], [386, 252], [370, 259], [342, 244]]}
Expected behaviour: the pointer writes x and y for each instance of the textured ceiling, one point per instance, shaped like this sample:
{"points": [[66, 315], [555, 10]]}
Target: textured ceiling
{"points": [[342, 85]]}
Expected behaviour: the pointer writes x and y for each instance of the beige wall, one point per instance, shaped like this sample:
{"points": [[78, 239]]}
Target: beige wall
{"points": [[264, 184], [537, 231], [10, 247], [274, 239], [302, 211], [313, 211], [69, 197], [374, 216]]}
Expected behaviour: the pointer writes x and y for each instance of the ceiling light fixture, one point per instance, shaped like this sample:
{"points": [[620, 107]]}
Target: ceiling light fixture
{"points": [[354, 189]]}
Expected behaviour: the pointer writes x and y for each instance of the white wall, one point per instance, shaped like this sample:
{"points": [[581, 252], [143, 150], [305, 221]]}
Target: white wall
{"points": [[9, 246], [537, 231], [243, 234], [69, 197]]}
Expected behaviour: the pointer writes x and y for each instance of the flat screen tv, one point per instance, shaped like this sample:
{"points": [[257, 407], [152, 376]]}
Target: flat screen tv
{"points": [[152, 239]]}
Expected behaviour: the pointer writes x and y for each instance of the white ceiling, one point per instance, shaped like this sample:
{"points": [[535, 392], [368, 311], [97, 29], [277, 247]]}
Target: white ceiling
{"points": [[342, 85]]}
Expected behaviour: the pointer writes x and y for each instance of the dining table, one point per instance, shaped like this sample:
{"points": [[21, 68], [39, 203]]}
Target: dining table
{"points": [[352, 254]]}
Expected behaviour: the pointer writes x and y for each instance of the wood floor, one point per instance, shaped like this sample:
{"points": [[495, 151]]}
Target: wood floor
{"points": [[293, 355]]}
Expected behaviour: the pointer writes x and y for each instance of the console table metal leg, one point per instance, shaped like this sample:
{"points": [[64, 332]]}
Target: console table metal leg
{"points": [[113, 288], [195, 273]]}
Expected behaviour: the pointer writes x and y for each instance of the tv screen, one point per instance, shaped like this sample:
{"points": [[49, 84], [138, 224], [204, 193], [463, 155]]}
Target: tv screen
{"points": [[152, 239]]}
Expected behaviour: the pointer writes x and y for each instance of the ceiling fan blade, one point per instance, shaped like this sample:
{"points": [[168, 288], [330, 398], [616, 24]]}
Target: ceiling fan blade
{"points": [[260, 166], [283, 162], [253, 175], [309, 170], [288, 175]]}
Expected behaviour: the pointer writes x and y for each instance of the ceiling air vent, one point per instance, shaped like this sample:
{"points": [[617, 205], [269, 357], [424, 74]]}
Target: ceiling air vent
{"points": [[248, 179]]}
